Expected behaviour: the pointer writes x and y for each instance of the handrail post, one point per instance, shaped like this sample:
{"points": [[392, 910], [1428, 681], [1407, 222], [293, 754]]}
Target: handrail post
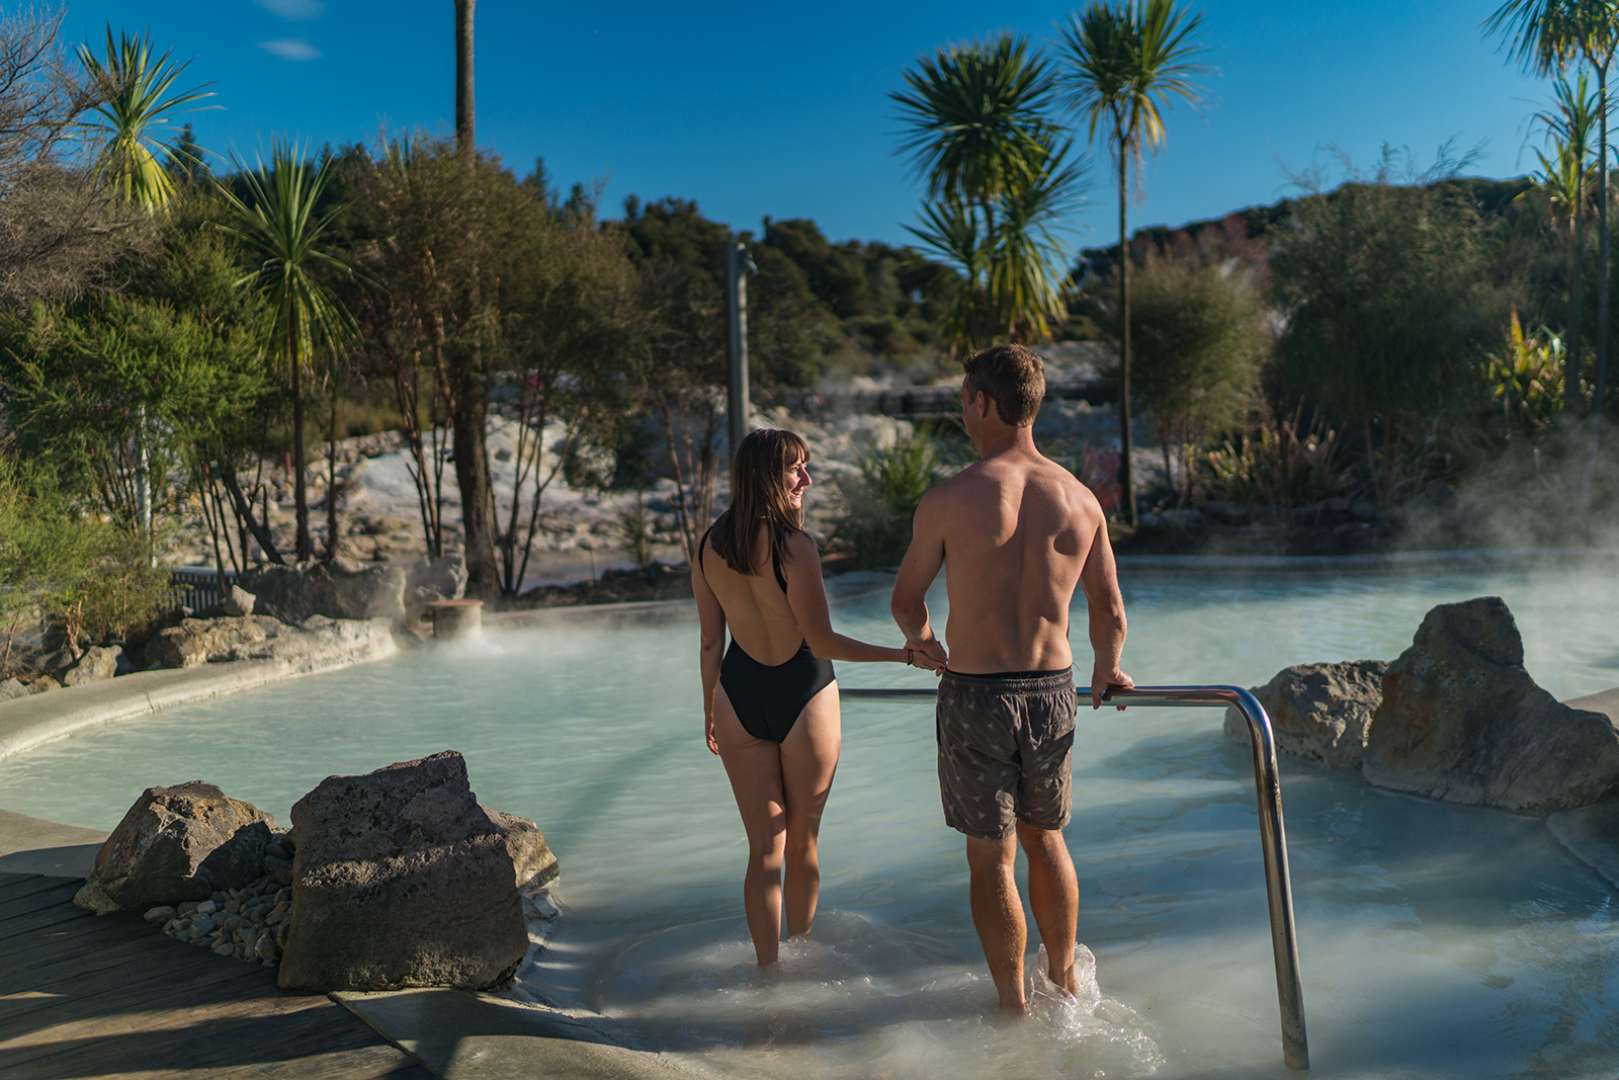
{"points": [[1278, 880]]}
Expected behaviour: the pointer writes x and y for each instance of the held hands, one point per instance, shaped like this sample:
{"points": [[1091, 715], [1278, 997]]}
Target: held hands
{"points": [[708, 735], [1105, 681], [927, 654]]}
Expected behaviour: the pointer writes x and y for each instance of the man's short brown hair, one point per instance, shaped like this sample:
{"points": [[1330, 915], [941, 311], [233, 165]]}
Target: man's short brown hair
{"points": [[1013, 377]]}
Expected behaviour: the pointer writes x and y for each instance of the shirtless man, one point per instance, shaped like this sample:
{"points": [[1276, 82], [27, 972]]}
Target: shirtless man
{"points": [[1017, 532]]}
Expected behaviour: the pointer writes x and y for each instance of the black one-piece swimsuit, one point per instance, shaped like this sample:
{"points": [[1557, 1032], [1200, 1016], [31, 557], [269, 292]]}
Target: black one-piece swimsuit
{"points": [[769, 697]]}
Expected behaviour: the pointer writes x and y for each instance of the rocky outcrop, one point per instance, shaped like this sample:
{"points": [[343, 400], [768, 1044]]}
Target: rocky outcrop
{"points": [[337, 590], [533, 862], [11, 689], [176, 843], [400, 879], [1321, 712], [258, 637], [98, 662], [1462, 720]]}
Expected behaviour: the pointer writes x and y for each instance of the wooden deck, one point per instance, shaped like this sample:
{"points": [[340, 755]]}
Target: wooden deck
{"points": [[84, 996]]}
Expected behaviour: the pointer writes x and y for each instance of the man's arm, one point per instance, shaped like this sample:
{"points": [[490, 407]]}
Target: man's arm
{"points": [[922, 562], [1105, 604]]}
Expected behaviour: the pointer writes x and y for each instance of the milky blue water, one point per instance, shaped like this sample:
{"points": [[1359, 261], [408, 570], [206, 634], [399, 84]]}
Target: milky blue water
{"points": [[1435, 940]]}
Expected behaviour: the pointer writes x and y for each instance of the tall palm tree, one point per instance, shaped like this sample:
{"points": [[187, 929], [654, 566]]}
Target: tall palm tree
{"points": [[1544, 36], [281, 226], [136, 92], [469, 418], [1124, 60], [1565, 182], [999, 179]]}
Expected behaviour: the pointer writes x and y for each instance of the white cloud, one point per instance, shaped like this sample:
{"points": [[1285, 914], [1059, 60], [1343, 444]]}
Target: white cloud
{"points": [[291, 49], [294, 9]]}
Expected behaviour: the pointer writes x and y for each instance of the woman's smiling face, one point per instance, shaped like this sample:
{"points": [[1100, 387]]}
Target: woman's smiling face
{"points": [[798, 482]]}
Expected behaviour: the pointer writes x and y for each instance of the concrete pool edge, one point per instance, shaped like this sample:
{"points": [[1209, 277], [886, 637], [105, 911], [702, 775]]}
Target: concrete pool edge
{"points": [[32, 721]]}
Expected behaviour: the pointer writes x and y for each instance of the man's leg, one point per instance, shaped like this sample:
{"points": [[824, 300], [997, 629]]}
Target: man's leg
{"points": [[998, 915], [1054, 895]]}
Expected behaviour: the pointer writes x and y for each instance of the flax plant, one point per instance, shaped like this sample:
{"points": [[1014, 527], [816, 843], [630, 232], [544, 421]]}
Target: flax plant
{"points": [[281, 225], [136, 93], [999, 180]]}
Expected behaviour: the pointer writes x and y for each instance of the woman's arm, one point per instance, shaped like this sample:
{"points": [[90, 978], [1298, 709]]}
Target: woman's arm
{"points": [[806, 595], [711, 618]]}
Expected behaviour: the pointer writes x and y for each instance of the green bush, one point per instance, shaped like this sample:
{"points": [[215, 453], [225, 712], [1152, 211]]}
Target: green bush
{"points": [[61, 564], [880, 502], [1199, 339], [1281, 463], [1526, 378]]}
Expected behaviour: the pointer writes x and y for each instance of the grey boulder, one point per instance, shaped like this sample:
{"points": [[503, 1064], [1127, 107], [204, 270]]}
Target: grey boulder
{"points": [[98, 662], [400, 879], [238, 601], [337, 590], [1461, 720], [1321, 712], [176, 843], [533, 862]]}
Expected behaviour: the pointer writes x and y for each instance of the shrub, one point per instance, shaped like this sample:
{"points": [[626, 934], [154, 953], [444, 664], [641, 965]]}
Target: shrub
{"points": [[633, 524], [1384, 288], [880, 502], [60, 564], [1281, 463], [1199, 337]]}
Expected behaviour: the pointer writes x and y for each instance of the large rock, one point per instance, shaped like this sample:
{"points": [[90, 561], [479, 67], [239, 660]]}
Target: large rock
{"points": [[400, 879], [200, 641], [11, 689], [1322, 712], [98, 663], [259, 637], [1461, 720], [533, 862], [238, 601], [338, 590], [176, 843]]}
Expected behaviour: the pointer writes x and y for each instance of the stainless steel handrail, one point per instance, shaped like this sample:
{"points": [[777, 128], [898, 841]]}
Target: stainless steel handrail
{"points": [[1272, 833]]}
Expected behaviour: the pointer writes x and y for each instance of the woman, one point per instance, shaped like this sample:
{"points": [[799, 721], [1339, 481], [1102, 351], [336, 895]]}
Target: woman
{"points": [[770, 707]]}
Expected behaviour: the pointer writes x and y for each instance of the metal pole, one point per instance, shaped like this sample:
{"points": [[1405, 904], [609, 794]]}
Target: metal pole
{"points": [[1272, 830], [736, 299]]}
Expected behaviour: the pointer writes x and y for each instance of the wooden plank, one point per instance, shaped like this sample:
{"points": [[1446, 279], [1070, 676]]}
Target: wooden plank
{"points": [[61, 894], [34, 972], [55, 915], [194, 1027], [24, 884], [179, 1014], [65, 942], [143, 974]]}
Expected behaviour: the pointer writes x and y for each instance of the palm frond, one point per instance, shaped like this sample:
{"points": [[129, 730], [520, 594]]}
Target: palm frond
{"points": [[135, 92]]}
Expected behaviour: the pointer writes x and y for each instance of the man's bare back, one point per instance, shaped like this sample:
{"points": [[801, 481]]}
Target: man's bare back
{"points": [[1017, 529], [1015, 534]]}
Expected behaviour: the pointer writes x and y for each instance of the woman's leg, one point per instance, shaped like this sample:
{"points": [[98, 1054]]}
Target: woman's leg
{"points": [[754, 766], [809, 757]]}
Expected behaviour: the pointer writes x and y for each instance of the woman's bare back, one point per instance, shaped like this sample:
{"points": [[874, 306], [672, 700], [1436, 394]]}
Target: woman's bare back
{"points": [[756, 609]]}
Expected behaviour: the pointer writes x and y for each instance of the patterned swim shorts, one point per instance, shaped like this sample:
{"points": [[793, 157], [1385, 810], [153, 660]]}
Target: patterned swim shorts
{"points": [[1005, 750]]}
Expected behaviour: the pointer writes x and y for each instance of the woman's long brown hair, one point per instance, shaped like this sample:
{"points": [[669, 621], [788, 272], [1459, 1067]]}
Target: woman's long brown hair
{"points": [[759, 496]]}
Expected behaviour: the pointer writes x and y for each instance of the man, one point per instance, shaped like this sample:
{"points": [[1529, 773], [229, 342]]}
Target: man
{"points": [[1016, 533]]}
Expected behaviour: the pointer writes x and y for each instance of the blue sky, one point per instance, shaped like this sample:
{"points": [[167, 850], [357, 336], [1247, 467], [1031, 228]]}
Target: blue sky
{"points": [[765, 108]]}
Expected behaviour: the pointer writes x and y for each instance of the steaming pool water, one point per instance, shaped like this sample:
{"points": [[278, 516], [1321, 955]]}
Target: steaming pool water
{"points": [[1435, 940]]}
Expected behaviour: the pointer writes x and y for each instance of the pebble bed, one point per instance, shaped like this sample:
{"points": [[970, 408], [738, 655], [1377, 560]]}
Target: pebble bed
{"points": [[248, 924]]}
